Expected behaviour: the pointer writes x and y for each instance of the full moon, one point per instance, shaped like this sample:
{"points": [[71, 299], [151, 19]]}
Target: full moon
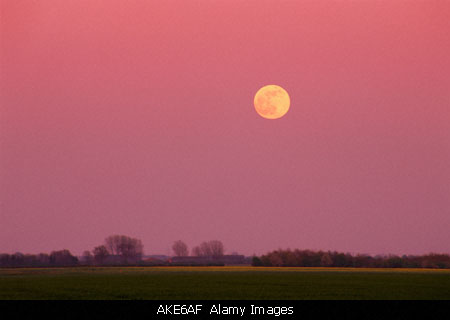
{"points": [[272, 102]]}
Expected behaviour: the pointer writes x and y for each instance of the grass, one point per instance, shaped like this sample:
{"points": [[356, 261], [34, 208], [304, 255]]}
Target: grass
{"points": [[206, 283]]}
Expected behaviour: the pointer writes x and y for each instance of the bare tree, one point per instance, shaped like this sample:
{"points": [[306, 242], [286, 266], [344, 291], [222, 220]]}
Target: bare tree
{"points": [[180, 249], [216, 248], [205, 249], [213, 248], [112, 243], [130, 249], [196, 251], [100, 254]]}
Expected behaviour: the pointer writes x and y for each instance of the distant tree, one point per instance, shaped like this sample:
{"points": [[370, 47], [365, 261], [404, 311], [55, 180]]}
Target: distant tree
{"points": [[43, 259], [362, 260], [5, 260], [30, 260], [62, 258], [213, 249], [17, 259], [256, 262], [275, 259], [205, 249], [112, 243], [216, 248], [130, 249], [288, 257], [196, 251], [100, 254], [341, 260], [394, 261], [180, 249], [87, 258], [326, 260]]}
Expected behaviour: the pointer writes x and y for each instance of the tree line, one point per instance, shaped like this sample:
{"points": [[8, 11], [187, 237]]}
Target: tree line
{"points": [[212, 248], [61, 258], [308, 258], [116, 250], [124, 250]]}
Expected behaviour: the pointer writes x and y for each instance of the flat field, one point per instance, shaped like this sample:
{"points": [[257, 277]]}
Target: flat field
{"points": [[209, 283]]}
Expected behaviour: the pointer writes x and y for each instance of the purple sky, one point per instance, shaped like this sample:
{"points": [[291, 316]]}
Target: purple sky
{"points": [[137, 118]]}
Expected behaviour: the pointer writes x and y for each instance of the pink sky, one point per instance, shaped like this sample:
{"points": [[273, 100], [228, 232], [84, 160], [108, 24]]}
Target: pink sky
{"points": [[137, 118]]}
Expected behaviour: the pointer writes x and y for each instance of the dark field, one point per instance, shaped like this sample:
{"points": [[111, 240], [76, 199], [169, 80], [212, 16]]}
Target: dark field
{"points": [[206, 283]]}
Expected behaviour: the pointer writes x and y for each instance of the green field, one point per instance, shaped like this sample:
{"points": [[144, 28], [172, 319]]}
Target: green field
{"points": [[223, 283]]}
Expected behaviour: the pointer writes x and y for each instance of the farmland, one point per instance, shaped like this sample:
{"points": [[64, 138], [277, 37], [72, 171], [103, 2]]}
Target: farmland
{"points": [[223, 283]]}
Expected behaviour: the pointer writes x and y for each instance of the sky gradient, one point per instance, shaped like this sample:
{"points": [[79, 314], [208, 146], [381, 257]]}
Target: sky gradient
{"points": [[137, 118]]}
